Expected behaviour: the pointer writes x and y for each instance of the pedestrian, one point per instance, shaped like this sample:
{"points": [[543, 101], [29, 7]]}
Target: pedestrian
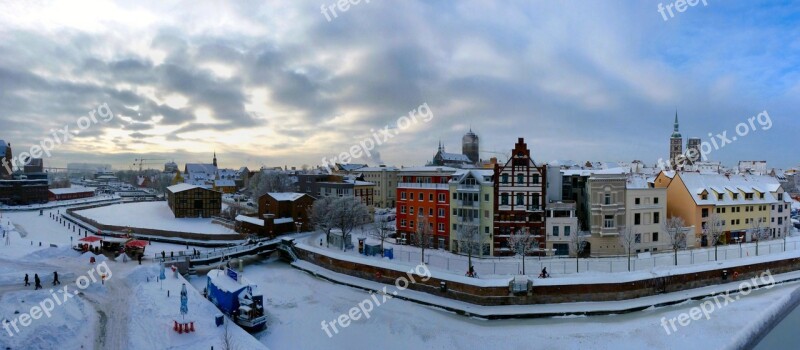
{"points": [[163, 255], [171, 255], [140, 259], [26, 280], [55, 278], [37, 282]]}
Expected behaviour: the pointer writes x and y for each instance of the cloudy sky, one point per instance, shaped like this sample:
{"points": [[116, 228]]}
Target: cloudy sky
{"points": [[278, 83]]}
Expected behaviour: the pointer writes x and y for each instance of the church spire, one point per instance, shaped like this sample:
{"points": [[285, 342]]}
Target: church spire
{"points": [[675, 128], [215, 158]]}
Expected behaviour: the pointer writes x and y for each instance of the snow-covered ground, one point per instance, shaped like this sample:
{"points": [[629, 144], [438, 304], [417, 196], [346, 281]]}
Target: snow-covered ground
{"points": [[297, 304], [56, 204], [152, 215]]}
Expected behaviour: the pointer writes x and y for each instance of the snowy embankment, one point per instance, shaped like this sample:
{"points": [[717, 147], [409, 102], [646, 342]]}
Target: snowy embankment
{"points": [[58, 204], [749, 336], [151, 215]]}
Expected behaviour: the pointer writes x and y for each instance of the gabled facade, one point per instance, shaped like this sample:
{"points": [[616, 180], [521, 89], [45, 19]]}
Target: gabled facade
{"points": [[519, 187]]}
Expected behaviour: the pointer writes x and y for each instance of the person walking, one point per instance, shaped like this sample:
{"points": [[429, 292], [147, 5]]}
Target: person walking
{"points": [[37, 282], [55, 278], [26, 280], [163, 255]]}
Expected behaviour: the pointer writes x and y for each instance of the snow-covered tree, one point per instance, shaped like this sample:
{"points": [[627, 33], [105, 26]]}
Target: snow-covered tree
{"points": [[577, 243], [627, 238], [714, 231], [677, 236], [521, 243], [269, 181], [470, 240], [423, 235], [382, 231], [758, 231], [322, 215], [349, 213]]}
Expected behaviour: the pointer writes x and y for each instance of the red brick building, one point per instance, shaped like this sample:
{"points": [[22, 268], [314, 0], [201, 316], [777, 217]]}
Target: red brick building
{"points": [[424, 191], [74, 192], [519, 186], [282, 212]]}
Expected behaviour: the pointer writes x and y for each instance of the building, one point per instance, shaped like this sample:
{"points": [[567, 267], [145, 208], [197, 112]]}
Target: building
{"points": [[6, 161], [471, 207], [561, 224], [520, 190], [605, 199], [454, 160], [170, 168], [202, 175], [326, 185], [676, 146], [470, 146], [736, 201], [645, 212], [191, 201], [225, 186], [385, 180], [33, 166], [755, 167], [74, 192], [693, 154], [424, 192], [285, 212]]}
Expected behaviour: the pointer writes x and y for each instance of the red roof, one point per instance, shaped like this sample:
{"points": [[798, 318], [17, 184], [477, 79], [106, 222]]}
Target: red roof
{"points": [[90, 239], [137, 243]]}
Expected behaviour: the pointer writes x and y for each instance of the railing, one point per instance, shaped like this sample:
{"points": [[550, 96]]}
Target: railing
{"points": [[423, 185]]}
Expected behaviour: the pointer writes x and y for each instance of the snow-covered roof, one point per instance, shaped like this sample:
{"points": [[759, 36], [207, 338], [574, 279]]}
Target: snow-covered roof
{"points": [[250, 219], [181, 187], [350, 167], [727, 185], [285, 196], [589, 172], [483, 176], [637, 182], [376, 168], [73, 189], [201, 168], [455, 157], [224, 183], [283, 220], [444, 169]]}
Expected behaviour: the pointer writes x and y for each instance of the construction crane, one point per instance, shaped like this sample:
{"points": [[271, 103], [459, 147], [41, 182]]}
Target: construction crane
{"points": [[142, 162]]}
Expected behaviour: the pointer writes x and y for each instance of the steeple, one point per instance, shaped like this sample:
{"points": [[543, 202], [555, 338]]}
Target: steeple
{"points": [[675, 132], [441, 148], [215, 158]]}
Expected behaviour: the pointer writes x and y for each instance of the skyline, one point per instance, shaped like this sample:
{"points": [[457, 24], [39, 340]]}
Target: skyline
{"points": [[602, 83]]}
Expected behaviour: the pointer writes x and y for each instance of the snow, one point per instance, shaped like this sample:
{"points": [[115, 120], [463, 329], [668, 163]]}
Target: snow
{"points": [[285, 196], [283, 220], [152, 215], [181, 187], [250, 219], [69, 190]]}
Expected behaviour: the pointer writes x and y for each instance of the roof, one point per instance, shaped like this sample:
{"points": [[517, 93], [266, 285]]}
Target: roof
{"points": [[716, 184], [637, 182], [73, 189], [444, 169], [224, 183], [379, 168], [201, 168], [285, 196], [181, 187], [483, 176], [283, 220], [350, 167], [455, 157], [250, 219]]}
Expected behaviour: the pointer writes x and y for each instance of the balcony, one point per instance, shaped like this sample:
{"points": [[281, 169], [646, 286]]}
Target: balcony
{"points": [[468, 188], [467, 220], [431, 186], [469, 204]]}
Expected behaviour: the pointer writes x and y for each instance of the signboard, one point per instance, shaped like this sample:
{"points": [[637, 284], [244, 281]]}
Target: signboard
{"points": [[232, 274]]}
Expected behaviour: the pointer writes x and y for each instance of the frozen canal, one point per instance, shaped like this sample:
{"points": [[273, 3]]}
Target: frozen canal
{"points": [[297, 303]]}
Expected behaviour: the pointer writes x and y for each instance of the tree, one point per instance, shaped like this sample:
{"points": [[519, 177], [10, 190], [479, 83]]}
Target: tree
{"points": [[269, 181], [470, 240], [714, 231], [382, 231], [627, 237], [521, 243], [677, 236], [348, 213], [322, 215], [423, 234], [758, 231], [577, 243], [227, 337]]}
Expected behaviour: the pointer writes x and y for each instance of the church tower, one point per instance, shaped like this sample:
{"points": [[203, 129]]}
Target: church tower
{"points": [[470, 146], [675, 145], [215, 158]]}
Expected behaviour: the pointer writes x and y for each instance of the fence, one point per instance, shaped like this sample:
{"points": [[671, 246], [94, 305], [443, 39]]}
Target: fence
{"points": [[565, 265]]}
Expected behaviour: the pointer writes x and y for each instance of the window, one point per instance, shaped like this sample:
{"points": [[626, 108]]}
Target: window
{"points": [[486, 229], [430, 211], [454, 195], [504, 199], [486, 197], [411, 210], [637, 238], [555, 231], [656, 217], [655, 200], [520, 179], [441, 227], [411, 196], [705, 212], [430, 197], [402, 195], [504, 178], [422, 197], [608, 221], [719, 196], [520, 199], [748, 196], [402, 209], [704, 196], [637, 219], [441, 212], [655, 236], [535, 178], [607, 199], [566, 230], [637, 201], [735, 196], [403, 223]]}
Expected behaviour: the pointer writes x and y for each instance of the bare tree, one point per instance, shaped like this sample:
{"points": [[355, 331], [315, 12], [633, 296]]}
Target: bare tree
{"points": [[382, 231], [521, 243], [714, 231], [577, 243], [323, 215], [627, 237], [758, 231], [227, 336], [423, 235], [470, 240], [269, 181], [677, 236], [787, 230]]}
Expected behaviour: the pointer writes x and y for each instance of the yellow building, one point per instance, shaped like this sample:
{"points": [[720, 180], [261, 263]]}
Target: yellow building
{"points": [[739, 202]]}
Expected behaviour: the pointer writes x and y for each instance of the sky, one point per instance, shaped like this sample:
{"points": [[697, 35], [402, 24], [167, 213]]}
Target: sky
{"points": [[285, 83]]}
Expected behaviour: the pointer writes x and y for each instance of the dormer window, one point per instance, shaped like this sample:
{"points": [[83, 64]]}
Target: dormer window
{"points": [[704, 196], [719, 196], [735, 196], [748, 196]]}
